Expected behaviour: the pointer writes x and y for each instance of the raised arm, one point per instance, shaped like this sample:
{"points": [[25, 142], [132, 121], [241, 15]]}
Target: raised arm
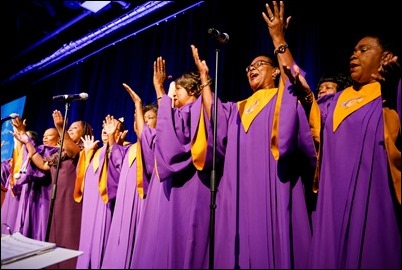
{"points": [[70, 147], [206, 81], [139, 116], [159, 77], [274, 18]]}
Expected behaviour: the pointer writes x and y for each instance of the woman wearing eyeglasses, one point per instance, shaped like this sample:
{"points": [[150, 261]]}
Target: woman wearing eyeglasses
{"points": [[262, 214]]}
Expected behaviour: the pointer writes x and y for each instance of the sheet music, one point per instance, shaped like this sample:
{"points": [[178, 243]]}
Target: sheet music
{"points": [[17, 246]]}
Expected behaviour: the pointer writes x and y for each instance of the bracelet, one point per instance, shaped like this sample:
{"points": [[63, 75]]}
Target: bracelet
{"points": [[281, 49], [308, 99], [159, 98], [34, 154], [206, 83]]}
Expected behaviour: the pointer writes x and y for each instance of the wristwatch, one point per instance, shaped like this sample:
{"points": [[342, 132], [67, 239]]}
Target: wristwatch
{"points": [[281, 49]]}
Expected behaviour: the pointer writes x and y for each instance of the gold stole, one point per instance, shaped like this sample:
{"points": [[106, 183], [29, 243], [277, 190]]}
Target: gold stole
{"points": [[16, 163], [140, 170], [252, 106], [83, 163], [392, 128], [132, 155], [199, 144], [351, 100]]}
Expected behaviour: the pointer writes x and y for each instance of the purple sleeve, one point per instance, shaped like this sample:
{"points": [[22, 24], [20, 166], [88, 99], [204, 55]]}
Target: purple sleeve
{"points": [[175, 131], [147, 147], [296, 141], [116, 158], [5, 172]]}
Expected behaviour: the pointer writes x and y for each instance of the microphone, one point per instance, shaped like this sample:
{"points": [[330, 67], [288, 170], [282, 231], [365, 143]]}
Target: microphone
{"points": [[82, 96], [222, 38], [11, 116]]}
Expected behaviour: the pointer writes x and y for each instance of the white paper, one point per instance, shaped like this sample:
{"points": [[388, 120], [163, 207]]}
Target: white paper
{"points": [[43, 260], [17, 246]]}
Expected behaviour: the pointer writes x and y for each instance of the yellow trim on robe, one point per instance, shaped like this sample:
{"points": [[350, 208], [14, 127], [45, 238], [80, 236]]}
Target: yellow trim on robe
{"points": [[140, 172], [252, 106], [314, 121], [275, 122], [392, 128], [351, 100], [82, 165], [132, 154], [15, 167], [199, 146]]}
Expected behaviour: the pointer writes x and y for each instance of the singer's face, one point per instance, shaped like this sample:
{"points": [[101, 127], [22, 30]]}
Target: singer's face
{"points": [[181, 97], [75, 131], [327, 88], [259, 73], [150, 118], [51, 137]]}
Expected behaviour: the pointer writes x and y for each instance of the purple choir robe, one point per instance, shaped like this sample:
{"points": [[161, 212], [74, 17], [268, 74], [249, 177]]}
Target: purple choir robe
{"points": [[96, 213], [262, 216], [123, 228], [173, 231], [33, 212], [10, 209], [357, 221]]}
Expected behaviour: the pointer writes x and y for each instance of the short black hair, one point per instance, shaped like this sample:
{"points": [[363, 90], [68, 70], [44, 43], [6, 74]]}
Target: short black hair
{"points": [[340, 79]]}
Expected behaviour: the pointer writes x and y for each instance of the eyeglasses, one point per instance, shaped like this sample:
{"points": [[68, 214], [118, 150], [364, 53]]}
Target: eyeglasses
{"points": [[257, 65]]}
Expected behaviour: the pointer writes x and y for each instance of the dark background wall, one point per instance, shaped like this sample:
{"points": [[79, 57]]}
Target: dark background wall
{"points": [[321, 37]]}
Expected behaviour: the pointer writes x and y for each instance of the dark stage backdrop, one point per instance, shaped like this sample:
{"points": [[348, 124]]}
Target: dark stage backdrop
{"points": [[320, 36]]}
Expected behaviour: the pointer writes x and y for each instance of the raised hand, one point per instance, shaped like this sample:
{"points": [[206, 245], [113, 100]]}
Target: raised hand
{"points": [[274, 19], [201, 64], [58, 120], [19, 125], [389, 75], [110, 125], [159, 71], [136, 98], [205, 81], [122, 137], [89, 142], [300, 86], [22, 137]]}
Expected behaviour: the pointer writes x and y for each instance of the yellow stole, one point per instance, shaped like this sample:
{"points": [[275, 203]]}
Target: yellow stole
{"points": [[351, 100], [132, 154], [392, 128], [140, 169], [199, 144], [252, 106], [83, 163], [16, 163]]}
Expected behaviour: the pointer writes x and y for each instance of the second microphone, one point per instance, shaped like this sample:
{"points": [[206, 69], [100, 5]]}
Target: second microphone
{"points": [[222, 38]]}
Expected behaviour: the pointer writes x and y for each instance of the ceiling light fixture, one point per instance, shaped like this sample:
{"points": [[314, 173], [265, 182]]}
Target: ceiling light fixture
{"points": [[105, 30], [95, 6]]}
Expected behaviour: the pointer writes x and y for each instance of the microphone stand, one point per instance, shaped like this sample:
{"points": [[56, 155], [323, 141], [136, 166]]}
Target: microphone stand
{"points": [[213, 171], [54, 182]]}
